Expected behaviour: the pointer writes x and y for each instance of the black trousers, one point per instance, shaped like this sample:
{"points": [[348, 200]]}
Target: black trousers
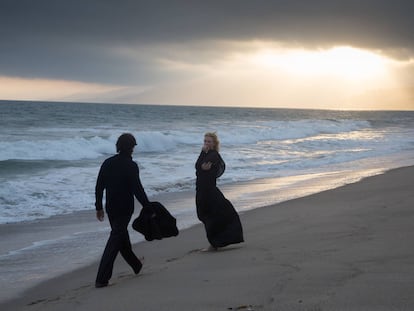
{"points": [[118, 242]]}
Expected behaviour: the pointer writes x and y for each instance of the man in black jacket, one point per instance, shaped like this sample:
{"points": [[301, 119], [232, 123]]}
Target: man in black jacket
{"points": [[119, 176]]}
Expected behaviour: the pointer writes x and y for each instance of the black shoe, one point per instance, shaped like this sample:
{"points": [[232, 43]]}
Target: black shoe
{"points": [[138, 269], [100, 285]]}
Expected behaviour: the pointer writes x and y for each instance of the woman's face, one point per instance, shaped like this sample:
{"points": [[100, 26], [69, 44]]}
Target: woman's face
{"points": [[208, 143]]}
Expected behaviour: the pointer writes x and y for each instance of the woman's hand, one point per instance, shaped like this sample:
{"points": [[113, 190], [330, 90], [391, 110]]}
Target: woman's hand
{"points": [[206, 166]]}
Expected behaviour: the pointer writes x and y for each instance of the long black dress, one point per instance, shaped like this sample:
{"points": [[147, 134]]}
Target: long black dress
{"points": [[221, 221]]}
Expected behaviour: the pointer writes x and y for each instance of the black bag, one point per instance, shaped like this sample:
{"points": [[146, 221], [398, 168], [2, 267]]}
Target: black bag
{"points": [[155, 222]]}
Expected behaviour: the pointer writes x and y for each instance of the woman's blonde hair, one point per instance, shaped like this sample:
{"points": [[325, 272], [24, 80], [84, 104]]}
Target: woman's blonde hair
{"points": [[216, 141]]}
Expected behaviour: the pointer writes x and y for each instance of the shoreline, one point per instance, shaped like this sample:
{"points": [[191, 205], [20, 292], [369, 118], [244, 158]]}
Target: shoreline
{"points": [[323, 250], [34, 251]]}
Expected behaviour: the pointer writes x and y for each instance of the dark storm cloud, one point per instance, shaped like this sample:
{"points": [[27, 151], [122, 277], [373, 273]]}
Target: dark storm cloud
{"points": [[76, 39]]}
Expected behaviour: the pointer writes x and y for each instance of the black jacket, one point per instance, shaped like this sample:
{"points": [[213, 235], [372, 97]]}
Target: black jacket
{"points": [[119, 176], [206, 179], [155, 222]]}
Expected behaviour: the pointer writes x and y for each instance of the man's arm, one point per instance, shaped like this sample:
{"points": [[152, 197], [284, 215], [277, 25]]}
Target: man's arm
{"points": [[99, 189], [139, 191]]}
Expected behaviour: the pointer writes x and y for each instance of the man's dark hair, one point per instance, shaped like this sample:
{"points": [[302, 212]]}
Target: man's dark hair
{"points": [[126, 143]]}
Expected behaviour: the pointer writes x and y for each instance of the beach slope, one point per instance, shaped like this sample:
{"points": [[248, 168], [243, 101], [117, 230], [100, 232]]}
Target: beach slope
{"points": [[350, 248]]}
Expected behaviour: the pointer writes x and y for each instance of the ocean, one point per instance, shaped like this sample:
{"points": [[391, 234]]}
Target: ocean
{"points": [[51, 152]]}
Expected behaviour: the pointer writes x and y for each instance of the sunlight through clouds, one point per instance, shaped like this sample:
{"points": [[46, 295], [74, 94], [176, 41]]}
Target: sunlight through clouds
{"points": [[241, 73], [268, 74], [345, 62]]}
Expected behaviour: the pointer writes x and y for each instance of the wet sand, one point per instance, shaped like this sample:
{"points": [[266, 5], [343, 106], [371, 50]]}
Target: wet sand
{"points": [[348, 248]]}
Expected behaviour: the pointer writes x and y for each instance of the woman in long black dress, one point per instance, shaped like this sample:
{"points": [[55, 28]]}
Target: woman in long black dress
{"points": [[221, 221]]}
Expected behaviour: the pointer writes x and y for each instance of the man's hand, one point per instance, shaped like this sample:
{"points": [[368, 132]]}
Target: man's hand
{"points": [[100, 215]]}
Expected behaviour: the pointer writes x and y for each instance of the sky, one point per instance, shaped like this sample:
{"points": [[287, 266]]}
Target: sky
{"points": [[251, 53]]}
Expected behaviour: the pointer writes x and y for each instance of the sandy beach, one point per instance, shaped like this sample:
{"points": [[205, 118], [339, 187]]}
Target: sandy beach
{"points": [[344, 249]]}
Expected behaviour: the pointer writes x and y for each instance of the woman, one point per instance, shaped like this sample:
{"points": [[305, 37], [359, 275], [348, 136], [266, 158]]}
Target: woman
{"points": [[218, 215]]}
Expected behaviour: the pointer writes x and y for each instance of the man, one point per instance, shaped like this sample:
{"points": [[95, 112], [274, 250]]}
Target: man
{"points": [[119, 177]]}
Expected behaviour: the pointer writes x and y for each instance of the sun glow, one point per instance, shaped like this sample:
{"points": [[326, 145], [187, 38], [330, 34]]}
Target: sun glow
{"points": [[344, 62], [250, 74], [269, 74], [44, 89]]}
